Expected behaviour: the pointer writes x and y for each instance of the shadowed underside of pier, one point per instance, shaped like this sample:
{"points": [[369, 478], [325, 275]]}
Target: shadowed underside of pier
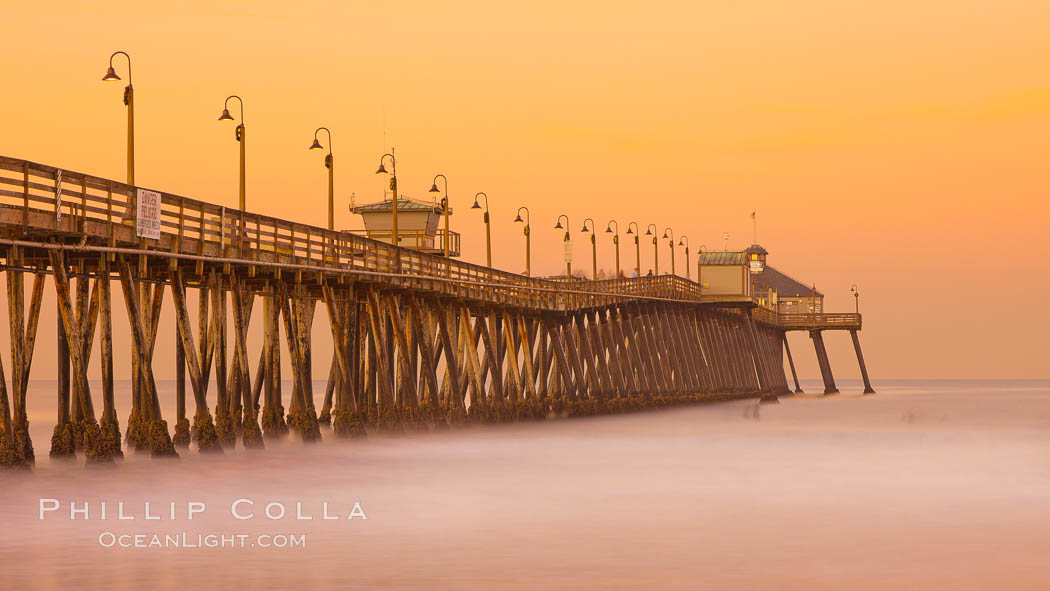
{"points": [[421, 342]]}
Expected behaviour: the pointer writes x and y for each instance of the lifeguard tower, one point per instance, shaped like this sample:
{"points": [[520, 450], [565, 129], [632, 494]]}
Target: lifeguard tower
{"points": [[417, 225]]}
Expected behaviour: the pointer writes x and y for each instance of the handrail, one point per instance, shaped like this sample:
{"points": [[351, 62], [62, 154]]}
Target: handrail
{"points": [[192, 225]]}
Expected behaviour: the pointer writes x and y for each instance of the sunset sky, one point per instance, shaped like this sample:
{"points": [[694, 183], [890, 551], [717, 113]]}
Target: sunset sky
{"points": [[901, 146]]}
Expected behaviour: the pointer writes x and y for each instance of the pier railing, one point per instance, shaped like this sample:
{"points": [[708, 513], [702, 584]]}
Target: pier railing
{"points": [[49, 201]]}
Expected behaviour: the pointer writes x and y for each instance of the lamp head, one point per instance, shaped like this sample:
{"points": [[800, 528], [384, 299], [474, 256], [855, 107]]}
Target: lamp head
{"points": [[225, 115], [476, 204], [381, 169], [665, 234], [434, 188], [584, 228], [518, 218], [608, 229], [648, 232], [110, 75], [629, 230], [316, 145], [558, 225]]}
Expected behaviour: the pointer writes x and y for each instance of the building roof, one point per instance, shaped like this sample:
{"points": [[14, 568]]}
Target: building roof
{"points": [[721, 257], [403, 204], [756, 248], [784, 285]]}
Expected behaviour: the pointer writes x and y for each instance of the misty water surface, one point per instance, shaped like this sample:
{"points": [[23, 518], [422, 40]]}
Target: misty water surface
{"points": [[927, 485]]}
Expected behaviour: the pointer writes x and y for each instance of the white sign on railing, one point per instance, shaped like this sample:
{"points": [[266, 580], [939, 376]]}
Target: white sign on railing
{"points": [[147, 218], [568, 251]]}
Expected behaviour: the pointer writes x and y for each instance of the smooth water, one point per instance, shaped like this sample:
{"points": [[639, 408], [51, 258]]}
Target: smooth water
{"points": [[927, 485]]}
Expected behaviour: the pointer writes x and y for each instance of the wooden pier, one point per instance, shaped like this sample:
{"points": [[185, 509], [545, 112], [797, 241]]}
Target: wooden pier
{"points": [[421, 341]]}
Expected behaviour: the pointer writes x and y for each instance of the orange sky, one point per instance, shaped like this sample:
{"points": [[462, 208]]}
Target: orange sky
{"points": [[901, 146]]}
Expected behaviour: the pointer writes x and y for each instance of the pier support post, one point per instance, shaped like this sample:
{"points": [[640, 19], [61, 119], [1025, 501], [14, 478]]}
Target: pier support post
{"points": [[860, 360], [825, 363], [63, 440], [756, 355], [182, 424], [791, 363]]}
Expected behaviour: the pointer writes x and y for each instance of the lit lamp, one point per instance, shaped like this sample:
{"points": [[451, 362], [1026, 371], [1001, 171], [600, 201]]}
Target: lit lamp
{"points": [[616, 242], [568, 259], [669, 233], [488, 227], [594, 247], [684, 241], [656, 252], [528, 240], [756, 258], [329, 163], [444, 207], [129, 100], [237, 133], [395, 238]]}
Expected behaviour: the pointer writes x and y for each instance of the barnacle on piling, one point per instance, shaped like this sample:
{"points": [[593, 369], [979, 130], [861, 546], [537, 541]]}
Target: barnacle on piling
{"points": [[62, 443], [205, 433], [160, 445], [182, 433]]}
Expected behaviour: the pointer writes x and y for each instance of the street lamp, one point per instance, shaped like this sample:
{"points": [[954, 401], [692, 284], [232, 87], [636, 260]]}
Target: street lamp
{"points": [[329, 163], [656, 252], [395, 238], [129, 100], [669, 233], [684, 241], [594, 247], [488, 227], [568, 259], [700, 257], [856, 297], [528, 240], [637, 248], [237, 133], [616, 242], [444, 207]]}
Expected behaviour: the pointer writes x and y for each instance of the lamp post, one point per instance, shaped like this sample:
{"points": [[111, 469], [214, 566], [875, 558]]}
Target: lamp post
{"points": [[656, 252], [594, 248], [444, 207], [488, 227], [528, 240], [856, 297], [237, 133], [329, 163], [684, 241], [395, 238], [637, 248], [700, 257], [568, 260], [129, 101], [669, 233], [616, 243]]}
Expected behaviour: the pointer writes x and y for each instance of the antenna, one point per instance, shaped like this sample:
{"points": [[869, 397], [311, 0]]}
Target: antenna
{"points": [[726, 236]]}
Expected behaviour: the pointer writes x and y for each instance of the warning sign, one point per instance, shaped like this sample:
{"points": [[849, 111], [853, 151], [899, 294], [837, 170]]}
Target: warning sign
{"points": [[147, 218]]}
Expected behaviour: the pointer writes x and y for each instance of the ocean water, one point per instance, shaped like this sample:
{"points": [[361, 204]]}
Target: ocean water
{"points": [[926, 485]]}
